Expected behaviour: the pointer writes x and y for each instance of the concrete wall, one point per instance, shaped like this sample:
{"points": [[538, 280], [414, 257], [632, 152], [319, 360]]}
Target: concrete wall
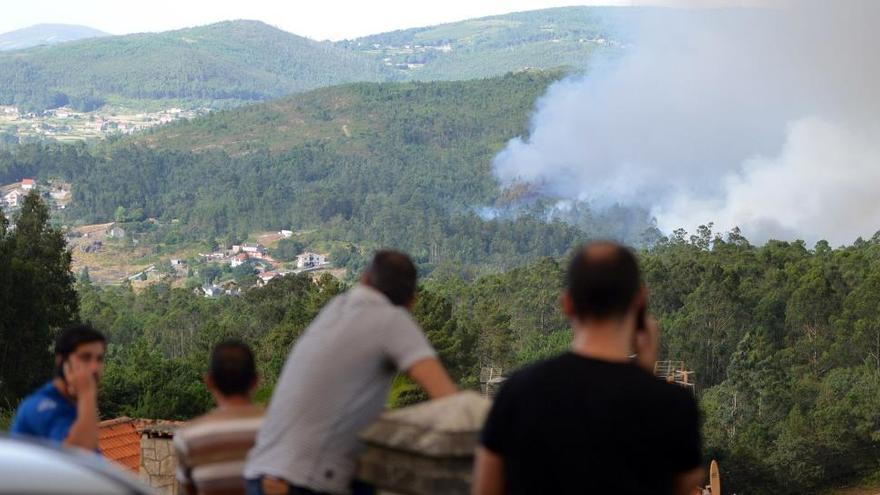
{"points": [[159, 465]]}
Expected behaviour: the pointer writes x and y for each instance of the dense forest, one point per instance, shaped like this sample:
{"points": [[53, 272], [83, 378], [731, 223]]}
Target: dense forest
{"points": [[783, 339], [405, 165]]}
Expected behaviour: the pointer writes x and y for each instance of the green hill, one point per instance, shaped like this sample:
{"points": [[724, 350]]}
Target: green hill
{"points": [[216, 65], [370, 119], [490, 46], [236, 62]]}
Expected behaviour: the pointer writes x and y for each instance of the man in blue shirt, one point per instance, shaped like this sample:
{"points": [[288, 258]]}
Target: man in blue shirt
{"points": [[65, 410]]}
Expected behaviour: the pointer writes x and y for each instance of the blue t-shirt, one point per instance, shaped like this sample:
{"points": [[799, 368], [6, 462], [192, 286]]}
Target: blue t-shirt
{"points": [[44, 414]]}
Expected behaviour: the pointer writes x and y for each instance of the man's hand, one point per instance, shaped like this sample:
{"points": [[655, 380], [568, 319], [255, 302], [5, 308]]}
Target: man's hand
{"points": [[646, 344], [690, 482], [80, 380], [488, 473], [82, 384]]}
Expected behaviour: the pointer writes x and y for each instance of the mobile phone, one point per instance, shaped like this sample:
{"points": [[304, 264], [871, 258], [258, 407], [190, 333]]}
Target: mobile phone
{"points": [[59, 370], [642, 318]]}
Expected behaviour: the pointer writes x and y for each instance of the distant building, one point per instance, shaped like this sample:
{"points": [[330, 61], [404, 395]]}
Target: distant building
{"points": [[310, 260], [212, 291], [238, 260], [116, 232], [13, 198], [265, 277], [28, 184], [287, 234], [58, 194], [253, 248], [177, 262], [256, 251]]}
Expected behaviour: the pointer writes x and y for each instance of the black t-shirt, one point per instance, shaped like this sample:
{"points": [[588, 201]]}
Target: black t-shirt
{"points": [[573, 424]]}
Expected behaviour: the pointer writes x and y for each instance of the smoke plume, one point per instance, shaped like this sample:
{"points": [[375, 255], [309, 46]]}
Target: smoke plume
{"points": [[764, 118]]}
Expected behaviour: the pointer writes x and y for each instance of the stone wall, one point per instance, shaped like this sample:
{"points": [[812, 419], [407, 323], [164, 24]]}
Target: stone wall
{"points": [[425, 449], [159, 464]]}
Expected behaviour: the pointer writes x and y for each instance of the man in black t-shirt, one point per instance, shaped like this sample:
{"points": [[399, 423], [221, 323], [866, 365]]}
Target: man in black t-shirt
{"points": [[594, 420]]}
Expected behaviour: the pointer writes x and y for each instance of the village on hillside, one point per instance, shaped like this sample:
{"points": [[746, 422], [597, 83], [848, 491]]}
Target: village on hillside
{"points": [[55, 193], [66, 124], [266, 267], [112, 253]]}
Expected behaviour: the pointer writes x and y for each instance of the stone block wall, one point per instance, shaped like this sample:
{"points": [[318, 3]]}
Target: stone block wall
{"points": [[159, 464]]}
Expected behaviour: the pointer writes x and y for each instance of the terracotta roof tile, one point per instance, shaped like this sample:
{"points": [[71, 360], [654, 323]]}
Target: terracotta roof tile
{"points": [[120, 441]]}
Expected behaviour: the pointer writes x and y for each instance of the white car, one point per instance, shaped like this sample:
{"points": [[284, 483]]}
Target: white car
{"points": [[29, 467]]}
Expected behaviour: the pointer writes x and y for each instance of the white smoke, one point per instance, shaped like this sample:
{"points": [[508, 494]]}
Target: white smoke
{"points": [[766, 119]]}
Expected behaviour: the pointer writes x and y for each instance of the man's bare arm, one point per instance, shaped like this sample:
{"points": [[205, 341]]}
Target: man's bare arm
{"points": [[488, 473], [430, 374], [84, 431], [687, 482]]}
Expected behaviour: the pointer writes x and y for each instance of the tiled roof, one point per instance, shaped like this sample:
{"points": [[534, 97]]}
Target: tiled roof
{"points": [[120, 441], [160, 428]]}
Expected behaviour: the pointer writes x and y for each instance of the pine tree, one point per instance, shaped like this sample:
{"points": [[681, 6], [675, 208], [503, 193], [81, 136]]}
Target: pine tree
{"points": [[38, 291]]}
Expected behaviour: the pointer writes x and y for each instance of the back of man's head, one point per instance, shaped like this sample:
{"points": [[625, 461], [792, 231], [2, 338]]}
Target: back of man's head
{"points": [[392, 273], [232, 368], [603, 280], [70, 339]]}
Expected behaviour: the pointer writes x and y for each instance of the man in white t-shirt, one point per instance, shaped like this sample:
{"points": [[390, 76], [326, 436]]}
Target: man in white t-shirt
{"points": [[336, 381]]}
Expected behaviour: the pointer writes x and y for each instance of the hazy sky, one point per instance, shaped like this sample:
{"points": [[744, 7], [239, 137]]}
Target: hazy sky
{"points": [[319, 19]]}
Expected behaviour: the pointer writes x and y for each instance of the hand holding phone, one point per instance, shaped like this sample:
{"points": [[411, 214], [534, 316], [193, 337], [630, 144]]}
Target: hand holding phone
{"points": [[646, 341], [642, 318]]}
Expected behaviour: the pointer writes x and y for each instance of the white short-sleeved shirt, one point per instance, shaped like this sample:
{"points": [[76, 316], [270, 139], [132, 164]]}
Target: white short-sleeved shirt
{"points": [[333, 385]]}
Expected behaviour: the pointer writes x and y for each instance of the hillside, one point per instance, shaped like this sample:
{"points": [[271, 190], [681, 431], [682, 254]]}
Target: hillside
{"points": [[230, 63], [370, 164], [215, 65], [370, 119], [494, 45], [46, 34]]}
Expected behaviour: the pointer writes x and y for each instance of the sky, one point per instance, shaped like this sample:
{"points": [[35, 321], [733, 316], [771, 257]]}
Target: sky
{"points": [[325, 19]]}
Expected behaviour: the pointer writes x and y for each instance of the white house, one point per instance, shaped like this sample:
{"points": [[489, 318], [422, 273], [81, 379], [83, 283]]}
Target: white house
{"points": [[28, 184], [310, 260], [253, 248], [265, 277], [212, 290], [13, 198], [287, 234]]}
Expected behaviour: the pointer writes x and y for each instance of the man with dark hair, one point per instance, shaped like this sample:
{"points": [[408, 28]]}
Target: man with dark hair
{"points": [[65, 410], [336, 381], [211, 449], [594, 420]]}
